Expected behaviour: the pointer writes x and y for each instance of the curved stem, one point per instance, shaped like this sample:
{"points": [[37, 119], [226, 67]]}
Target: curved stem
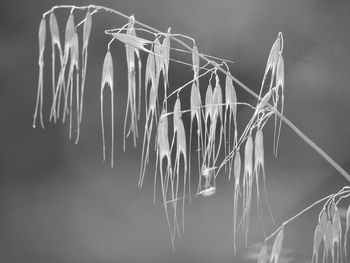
{"points": [[284, 119]]}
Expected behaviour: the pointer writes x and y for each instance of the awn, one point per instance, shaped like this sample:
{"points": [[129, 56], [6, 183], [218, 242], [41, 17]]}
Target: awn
{"points": [[39, 99], [86, 36], [163, 151], [55, 41]]}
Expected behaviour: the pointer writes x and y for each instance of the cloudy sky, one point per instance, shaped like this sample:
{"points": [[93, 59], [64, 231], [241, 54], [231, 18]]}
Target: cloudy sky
{"points": [[60, 203]]}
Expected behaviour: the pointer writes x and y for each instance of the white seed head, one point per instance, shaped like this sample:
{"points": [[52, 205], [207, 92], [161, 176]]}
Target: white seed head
{"points": [[42, 36], [55, 33], [237, 167], [87, 29], [263, 255], [277, 247]]}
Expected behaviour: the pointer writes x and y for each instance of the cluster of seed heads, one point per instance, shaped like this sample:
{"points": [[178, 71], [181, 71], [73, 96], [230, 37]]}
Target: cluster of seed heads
{"points": [[214, 120]]}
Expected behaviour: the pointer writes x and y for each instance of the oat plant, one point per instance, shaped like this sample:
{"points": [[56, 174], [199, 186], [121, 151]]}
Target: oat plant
{"points": [[217, 143]]}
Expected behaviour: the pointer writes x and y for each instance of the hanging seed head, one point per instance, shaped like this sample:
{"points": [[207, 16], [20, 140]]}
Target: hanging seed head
{"points": [[274, 53], [42, 36], [329, 237], [280, 72], [75, 50], [70, 30], [166, 51], [107, 71], [150, 74], [323, 224], [87, 29], [158, 57], [195, 61], [162, 135], [208, 101], [318, 236], [263, 255], [259, 149], [217, 100], [237, 167], [55, 33], [231, 97], [336, 227], [332, 209], [348, 219], [248, 155], [195, 101], [277, 247]]}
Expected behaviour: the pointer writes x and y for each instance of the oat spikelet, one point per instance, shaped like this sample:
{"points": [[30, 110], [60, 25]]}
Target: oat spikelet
{"points": [[55, 107], [328, 244], [277, 247], [263, 255], [55, 41], [195, 63], [259, 166], [217, 116], [39, 99], [181, 149], [107, 79], [163, 151], [86, 37], [279, 86], [196, 113], [230, 112], [131, 102], [237, 192], [318, 236], [150, 113], [73, 67], [347, 227], [247, 183], [337, 235]]}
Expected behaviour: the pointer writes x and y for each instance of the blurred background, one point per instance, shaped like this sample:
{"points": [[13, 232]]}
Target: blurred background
{"points": [[60, 203]]}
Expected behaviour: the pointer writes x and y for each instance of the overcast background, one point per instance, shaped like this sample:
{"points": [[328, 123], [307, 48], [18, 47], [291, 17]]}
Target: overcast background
{"points": [[60, 203]]}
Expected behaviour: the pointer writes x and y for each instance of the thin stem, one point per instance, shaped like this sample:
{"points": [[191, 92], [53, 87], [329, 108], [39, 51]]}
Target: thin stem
{"points": [[297, 215]]}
